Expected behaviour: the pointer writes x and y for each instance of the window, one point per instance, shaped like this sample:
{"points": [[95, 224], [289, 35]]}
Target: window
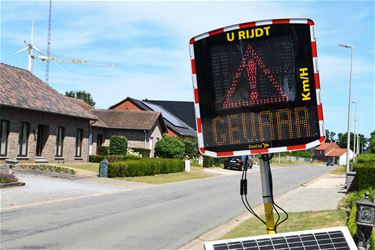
{"points": [[79, 137], [23, 139], [60, 141], [4, 131], [99, 140]]}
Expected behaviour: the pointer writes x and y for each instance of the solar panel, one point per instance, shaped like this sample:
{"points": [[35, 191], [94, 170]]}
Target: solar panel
{"points": [[167, 115], [326, 238]]}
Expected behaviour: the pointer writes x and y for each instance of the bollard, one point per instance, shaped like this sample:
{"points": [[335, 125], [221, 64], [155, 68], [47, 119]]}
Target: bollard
{"points": [[11, 164], [365, 220], [103, 168], [187, 165]]}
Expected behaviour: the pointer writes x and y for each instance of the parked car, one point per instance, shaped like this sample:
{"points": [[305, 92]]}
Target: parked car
{"points": [[330, 163], [236, 162]]}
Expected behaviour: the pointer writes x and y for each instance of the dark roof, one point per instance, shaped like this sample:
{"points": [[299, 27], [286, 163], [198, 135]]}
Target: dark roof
{"points": [[183, 110], [173, 122], [128, 119], [136, 102], [184, 131], [21, 89]]}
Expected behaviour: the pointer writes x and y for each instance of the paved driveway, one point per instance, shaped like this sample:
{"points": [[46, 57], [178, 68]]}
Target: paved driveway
{"points": [[44, 189]]}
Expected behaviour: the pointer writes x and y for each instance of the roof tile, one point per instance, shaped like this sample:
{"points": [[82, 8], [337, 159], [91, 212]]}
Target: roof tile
{"points": [[126, 119], [21, 89]]}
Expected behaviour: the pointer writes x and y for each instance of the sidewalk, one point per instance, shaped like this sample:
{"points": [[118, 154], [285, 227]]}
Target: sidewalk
{"points": [[319, 194]]}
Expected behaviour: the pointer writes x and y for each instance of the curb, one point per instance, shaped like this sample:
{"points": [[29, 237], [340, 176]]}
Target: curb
{"points": [[12, 184]]}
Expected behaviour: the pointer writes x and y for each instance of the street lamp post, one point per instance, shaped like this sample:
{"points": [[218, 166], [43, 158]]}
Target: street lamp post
{"points": [[346, 46], [355, 130]]}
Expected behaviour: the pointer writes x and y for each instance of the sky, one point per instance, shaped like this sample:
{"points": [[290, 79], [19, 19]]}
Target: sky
{"points": [[147, 44]]}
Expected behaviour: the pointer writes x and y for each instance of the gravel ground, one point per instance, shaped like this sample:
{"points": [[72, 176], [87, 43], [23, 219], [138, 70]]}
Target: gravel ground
{"points": [[40, 188]]}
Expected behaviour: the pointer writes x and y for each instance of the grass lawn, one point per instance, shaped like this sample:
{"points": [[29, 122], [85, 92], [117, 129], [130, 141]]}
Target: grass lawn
{"points": [[195, 173], [94, 167], [286, 162], [297, 221], [340, 170]]}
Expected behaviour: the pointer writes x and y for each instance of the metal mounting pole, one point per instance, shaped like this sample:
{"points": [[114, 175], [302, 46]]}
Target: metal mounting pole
{"points": [[267, 193]]}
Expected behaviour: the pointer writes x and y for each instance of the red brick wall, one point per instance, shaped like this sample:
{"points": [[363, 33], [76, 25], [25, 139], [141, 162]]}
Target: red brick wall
{"points": [[127, 105], [170, 133]]}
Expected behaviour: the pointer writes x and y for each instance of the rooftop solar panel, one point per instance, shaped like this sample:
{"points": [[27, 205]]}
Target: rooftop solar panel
{"points": [[327, 238], [167, 115]]}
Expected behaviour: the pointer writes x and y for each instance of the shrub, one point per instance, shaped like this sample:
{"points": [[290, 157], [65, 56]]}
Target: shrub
{"points": [[144, 167], [169, 147], [212, 162], [365, 160], [118, 145], [365, 168], [144, 152], [102, 150], [365, 177], [113, 158], [191, 146], [7, 178], [52, 168]]}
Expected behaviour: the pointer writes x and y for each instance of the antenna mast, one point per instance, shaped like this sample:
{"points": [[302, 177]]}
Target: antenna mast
{"points": [[48, 41]]}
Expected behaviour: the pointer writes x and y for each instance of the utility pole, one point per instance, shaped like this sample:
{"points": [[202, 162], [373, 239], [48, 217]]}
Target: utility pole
{"points": [[355, 130], [349, 109]]}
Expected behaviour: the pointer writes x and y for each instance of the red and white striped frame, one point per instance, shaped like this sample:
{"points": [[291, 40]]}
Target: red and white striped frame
{"points": [[317, 89]]}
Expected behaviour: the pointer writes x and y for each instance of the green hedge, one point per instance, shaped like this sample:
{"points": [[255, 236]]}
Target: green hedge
{"points": [[365, 160], [365, 168], [118, 145], [112, 158], [212, 162], [351, 203], [145, 152], [303, 154], [365, 177], [145, 167]]}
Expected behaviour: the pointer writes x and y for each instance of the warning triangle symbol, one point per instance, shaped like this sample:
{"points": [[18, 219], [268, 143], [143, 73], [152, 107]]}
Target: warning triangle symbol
{"points": [[252, 68]]}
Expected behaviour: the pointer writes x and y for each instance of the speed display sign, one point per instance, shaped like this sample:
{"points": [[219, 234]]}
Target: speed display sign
{"points": [[256, 88]]}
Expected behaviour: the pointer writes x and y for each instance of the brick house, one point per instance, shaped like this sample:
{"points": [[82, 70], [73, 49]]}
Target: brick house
{"points": [[338, 156], [322, 150], [179, 117], [330, 151], [38, 124], [142, 128]]}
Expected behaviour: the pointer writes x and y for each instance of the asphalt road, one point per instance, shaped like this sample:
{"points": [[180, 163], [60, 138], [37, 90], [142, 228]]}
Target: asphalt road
{"points": [[161, 217]]}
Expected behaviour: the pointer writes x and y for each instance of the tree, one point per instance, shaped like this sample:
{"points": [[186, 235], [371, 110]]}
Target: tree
{"points": [[191, 146], [371, 140], [330, 136], [82, 95], [342, 141]]}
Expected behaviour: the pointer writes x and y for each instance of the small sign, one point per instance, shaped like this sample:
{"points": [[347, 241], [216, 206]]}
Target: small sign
{"points": [[256, 88]]}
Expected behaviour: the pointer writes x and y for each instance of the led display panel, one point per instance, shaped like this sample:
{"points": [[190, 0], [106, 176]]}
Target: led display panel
{"points": [[256, 87]]}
